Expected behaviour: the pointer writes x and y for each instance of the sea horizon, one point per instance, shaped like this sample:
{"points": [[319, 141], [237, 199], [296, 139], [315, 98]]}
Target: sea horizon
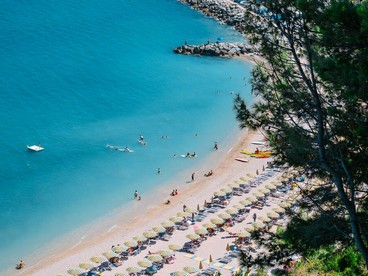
{"points": [[80, 76]]}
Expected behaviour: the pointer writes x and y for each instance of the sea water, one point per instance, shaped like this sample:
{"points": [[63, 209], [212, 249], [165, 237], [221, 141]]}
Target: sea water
{"points": [[78, 75]]}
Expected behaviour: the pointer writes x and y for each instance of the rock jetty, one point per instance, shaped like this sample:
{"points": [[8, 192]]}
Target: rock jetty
{"points": [[215, 49]]}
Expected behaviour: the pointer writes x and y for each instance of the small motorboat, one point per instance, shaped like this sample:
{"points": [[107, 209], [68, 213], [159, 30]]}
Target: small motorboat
{"points": [[35, 148]]}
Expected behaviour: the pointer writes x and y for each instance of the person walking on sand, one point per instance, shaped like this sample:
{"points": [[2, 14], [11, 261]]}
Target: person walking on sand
{"points": [[193, 176], [254, 217]]}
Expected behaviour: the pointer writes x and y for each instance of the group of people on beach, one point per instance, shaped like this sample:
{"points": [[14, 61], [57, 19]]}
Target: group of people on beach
{"points": [[209, 173]]}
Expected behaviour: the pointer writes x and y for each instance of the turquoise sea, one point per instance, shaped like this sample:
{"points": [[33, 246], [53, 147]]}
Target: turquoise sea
{"points": [[78, 75]]}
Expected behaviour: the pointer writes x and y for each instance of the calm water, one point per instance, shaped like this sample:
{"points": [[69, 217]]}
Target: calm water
{"points": [[77, 75]]}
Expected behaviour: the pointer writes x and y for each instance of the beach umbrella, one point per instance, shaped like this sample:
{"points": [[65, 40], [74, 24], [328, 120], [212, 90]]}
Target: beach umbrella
{"points": [[175, 247], [251, 199], [285, 204], [264, 219], [75, 271], [205, 203], [245, 202], [140, 238], [179, 273], [239, 207], [190, 269], [155, 258], [219, 193], [258, 225], [145, 263], [150, 234], [183, 214], [249, 228], [134, 269], [166, 253], [201, 231], [224, 216], [232, 211], [190, 210], [159, 229], [258, 194], [226, 190], [86, 266], [110, 254], [198, 208], [119, 249], [176, 219], [227, 247], [200, 265], [217, 221], [251, 175], [209, 225], [210, 259], [233, 185], [271, 187], [193, 237], [98, 259], [264, 191], [131, 244], [243, 234], [273, 215], [279, 210], [167, 224]]}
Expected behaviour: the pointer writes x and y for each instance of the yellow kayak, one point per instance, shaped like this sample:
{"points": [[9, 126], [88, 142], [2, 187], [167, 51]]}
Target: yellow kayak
{"points": [[261, 154]]}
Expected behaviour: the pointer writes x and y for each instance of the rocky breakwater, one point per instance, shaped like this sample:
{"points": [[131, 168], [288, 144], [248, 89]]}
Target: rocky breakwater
{"points": [[215, 49], [226, 11]]}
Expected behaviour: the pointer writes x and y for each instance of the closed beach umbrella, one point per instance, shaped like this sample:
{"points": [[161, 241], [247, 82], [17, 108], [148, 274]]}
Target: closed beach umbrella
{"points": [[145, 263], [198, 208], [140, 238], [227, 247], [155, 258], [175, 247], [264, 191], [232, 211], [271, 187], [176, 219], [98, 259], [209, 225], [110, 254], [86, 266], [264, 219], [249, 228], [75, 271], [200, 265], [193, 237], [273, 215], [211, 259], [179, 273], [120, 248], [285, 204], [190, 210], [258, 225], [150, 234], [251, 199], [134, 269], [258, 194], [167, 224], [166, 253], [217, 221], [224, 216], [183, 214], [190, 269], [201, 231], [245, 202], [131, 244], [243, 234], [159, 229], [238, 207], [279, 210], [233, 185], [226, 190], [219, 193]]}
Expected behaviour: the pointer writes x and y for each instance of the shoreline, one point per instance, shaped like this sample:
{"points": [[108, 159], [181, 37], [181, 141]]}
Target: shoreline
{"points": [[226, 171]]}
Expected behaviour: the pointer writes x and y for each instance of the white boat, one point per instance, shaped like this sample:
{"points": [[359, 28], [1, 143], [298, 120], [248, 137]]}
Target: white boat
{"points": [[34, 148]]}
